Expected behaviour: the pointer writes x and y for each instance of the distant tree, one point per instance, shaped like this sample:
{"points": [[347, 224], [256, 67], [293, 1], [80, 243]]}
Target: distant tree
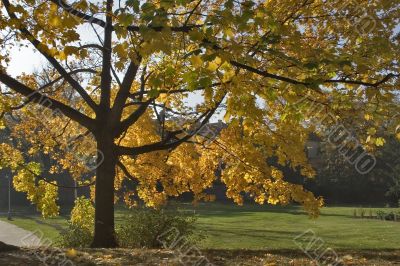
{"points": [[389, 169], [339, 180]]}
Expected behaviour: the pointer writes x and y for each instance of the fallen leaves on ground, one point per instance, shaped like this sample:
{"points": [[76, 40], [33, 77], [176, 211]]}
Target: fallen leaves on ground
{"points": [[87, 257]]}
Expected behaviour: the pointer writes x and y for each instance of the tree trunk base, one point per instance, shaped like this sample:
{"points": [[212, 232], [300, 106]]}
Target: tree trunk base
{"points": [[5, 248], [104, 243]]}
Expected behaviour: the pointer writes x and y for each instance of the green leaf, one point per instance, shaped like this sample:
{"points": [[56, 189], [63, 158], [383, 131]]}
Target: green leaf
{"points": [[371, 131], [205, 81], [126, 19], [134, 4]]}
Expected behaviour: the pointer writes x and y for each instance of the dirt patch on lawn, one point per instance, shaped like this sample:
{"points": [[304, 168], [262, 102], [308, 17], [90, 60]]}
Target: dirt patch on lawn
{"points": [[68, 257]]}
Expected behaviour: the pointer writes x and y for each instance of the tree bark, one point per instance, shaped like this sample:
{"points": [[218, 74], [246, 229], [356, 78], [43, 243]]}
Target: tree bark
{"points": [[5, 248], [104, 231]]}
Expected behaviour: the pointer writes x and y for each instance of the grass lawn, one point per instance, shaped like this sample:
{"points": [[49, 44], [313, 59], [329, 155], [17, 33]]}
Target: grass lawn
{"points": [[265, 227], [48, 228]]}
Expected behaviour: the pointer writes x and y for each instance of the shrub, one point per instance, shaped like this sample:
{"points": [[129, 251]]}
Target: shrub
{"points": [[75, 237], [81, 225], [389, 216], [392, 216], [381, 214], [82, 215], [362, 213], [142, 227], [151, 228]]}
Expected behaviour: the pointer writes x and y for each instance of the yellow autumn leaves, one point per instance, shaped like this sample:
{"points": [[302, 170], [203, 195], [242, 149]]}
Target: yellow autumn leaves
{"points": [[184, 51], [27, 179], [82, 215]]}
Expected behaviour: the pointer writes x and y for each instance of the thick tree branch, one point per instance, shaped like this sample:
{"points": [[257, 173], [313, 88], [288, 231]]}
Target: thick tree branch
{"points": [[167, 143], [70, 9], [162, 106], [43, 100], [132, 118], [124, 89], [367, 84], [91, 46], [296, 82], [41, 48], [106, 79], [266, 74], [125, 170], [143, 92]]}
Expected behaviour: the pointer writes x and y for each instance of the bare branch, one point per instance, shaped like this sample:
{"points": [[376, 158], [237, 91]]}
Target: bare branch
{"points": [[166, 143], [125, 170], [143, 92], [83, 70], [367, 84], [132, 118]]}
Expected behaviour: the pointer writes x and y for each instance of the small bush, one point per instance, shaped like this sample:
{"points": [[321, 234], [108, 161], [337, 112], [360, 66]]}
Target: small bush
{"points": [[381, 214], [362, 213], [75, 237], [142, 227], [81, 225], [151, 228], [390, 216], [82, 215]]}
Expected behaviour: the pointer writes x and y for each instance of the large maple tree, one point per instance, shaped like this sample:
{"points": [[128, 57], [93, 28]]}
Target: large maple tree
{"points": [[142, 77]]}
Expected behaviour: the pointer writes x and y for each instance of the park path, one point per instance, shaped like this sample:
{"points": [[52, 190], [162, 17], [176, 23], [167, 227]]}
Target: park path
{"points": [[16, 236]]}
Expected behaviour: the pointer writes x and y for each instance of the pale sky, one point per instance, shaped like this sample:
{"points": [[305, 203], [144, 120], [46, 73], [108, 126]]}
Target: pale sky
{"points": [[25, 60]]}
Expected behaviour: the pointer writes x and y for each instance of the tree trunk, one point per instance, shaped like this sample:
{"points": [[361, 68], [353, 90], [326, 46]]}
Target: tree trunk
{"points": [[104, 232], [6, 248]]}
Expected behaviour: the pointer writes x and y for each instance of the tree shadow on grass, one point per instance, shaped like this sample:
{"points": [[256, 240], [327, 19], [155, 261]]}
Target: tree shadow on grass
{"points": [[270, 235], [40, 221], [245, 210], [234, 211]]}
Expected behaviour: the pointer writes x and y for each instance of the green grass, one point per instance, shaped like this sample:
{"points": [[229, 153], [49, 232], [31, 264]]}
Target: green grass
{"points": [[46, 229], [266, 227]]}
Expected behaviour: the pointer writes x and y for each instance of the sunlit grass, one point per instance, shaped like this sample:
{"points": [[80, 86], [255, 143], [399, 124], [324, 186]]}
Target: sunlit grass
{"points": [[264, 227]]}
